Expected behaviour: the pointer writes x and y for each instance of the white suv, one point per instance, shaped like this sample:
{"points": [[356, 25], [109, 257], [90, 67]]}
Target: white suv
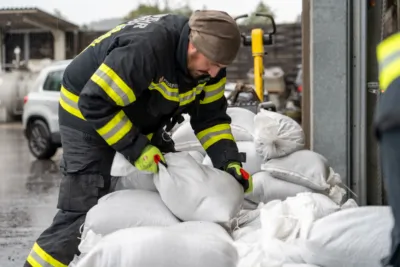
{"points": [[40, 112]]}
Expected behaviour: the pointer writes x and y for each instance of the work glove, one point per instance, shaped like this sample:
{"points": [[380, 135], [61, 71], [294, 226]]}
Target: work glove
{"points": [[149, 159], [243, 177]]}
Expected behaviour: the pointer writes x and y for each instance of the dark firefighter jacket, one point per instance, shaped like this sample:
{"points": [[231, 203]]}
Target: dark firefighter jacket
{"points": [[132, 80], [388, 111]]}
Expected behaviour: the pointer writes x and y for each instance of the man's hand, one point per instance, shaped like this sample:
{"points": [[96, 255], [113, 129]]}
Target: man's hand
{"points": [[149, 159], [243, 177]]}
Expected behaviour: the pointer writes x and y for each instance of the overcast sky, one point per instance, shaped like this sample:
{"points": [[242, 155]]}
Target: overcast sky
{"points": [[85, 11]]}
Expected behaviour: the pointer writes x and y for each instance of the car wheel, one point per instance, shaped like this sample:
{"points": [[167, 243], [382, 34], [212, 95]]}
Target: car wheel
{"points": [[39, 140]]}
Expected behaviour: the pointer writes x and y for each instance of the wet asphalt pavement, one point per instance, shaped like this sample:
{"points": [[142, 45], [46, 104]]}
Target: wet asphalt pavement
{"points": [[28, 195]]}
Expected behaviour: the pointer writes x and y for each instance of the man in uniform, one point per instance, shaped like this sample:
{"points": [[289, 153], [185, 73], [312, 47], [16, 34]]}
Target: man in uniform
{"points": [[387, 127], [120, 94]]}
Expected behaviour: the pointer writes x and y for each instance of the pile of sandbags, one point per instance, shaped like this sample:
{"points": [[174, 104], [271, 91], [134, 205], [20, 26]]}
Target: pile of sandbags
{"points": [[310, 229], [191, 214], [150, 227]]}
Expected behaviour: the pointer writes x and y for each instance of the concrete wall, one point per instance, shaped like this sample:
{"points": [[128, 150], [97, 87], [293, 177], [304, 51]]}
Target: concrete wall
{"points": [[329, 83]]}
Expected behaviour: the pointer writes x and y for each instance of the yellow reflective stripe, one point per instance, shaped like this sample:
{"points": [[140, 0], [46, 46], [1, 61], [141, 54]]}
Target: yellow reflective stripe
{"points": [[389, 74], [113, 85], [69, 102], [210, 136], [120, 83], [387, 46], [46, 258], [189, 97], [214, 92], [116, 128], [108, 89], [167, 92], [388, 54], [33, 262]]}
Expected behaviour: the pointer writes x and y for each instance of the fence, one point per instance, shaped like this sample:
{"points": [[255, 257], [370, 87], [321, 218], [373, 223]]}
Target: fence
{"points": [[284, 53]]}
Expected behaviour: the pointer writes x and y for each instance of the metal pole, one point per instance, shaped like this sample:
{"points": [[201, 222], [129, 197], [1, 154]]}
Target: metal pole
{"points": [[359, 112]]}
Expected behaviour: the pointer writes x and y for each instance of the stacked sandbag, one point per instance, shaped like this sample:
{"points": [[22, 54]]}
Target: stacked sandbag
{"points": [[358, 237], [272, 235], [124, 209], [267, 188], [253, 160], [195, 244], [242, 126], [126, 176], [196, 192], [276, 135], [308, 169]]}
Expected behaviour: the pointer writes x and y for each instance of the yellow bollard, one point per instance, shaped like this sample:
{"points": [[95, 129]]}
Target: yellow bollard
{"points": [[257, 48]]}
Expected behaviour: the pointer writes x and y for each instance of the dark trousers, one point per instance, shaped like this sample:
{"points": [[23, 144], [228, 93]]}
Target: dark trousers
{"points": [[390, 157], [85, 168]]}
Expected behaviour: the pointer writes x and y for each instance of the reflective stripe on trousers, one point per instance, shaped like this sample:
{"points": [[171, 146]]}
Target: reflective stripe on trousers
{"points": [[39, 258]]}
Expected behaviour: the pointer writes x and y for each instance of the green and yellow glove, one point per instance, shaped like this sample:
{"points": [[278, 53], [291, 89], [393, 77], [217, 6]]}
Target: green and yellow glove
{"points": [[243, 177], [149, 159]]}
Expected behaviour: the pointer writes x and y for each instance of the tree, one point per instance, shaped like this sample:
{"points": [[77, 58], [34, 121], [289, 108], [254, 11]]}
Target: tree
{"points": [[253, 19], [154, 8], [58, 14]]}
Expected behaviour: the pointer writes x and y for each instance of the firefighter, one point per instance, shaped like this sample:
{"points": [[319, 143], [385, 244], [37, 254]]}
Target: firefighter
{"points": [[120, 93], [387, 126]]}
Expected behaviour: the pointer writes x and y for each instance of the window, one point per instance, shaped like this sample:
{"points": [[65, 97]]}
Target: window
{"points": [[53, 81]]}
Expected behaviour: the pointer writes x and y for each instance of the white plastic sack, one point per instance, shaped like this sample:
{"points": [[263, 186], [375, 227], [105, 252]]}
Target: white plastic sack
{"points": [[198, 156], [276, 135], [124, 209], [285, 227], [195, 244], [358, 237], [253, 160], [242, 126], [247, 222], [242, 123], [195, 192], [128, 177], [292, 218], [185, 139], [309, 169], [267, 188], [281, 222]]}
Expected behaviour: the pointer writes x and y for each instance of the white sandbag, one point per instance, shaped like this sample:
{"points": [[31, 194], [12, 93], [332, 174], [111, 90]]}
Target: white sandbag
{"points": [[358, 237], [120, 166], [267, 188], [292, 218], [128, 177], [195, 192], [309, 169], [242, 123], [276, 135], [299, 265], [196, 245], [242, 126], [198, 156], [246, 222], [253, 160], [185, 139], [124, 209]]}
